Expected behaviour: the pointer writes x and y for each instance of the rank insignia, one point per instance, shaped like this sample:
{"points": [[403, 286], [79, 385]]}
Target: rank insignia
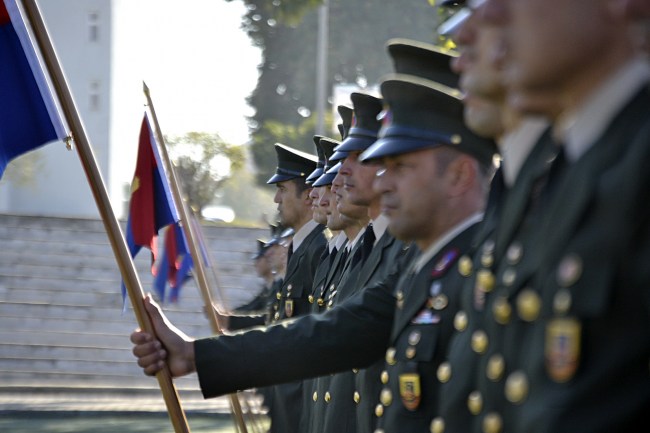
{"points": [[562, 349], [409, 390], [288, 307], [447, 259]]}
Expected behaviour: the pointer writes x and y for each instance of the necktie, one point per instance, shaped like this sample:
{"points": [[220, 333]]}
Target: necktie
{"points": [[368, 243], [289, 252]]}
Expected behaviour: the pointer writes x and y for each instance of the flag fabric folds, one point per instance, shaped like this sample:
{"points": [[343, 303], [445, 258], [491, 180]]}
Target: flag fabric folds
{"points": [[28, 114], [152, 205], [175, 264]]}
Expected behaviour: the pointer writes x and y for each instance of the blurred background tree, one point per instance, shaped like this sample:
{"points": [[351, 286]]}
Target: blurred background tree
{"points": [[203, 163], [286, 30]]}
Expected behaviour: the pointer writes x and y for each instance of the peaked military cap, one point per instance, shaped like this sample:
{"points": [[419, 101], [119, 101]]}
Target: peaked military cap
{"points": [[346, 114], [423, 60], [423, 114], [328, 145], [278, 234], [292, 164], [365, 125], [261, 249], [321, 161]]}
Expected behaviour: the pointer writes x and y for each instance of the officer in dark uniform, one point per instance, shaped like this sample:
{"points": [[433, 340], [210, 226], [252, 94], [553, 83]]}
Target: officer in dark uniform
{"points": [[294, 208], [425, 157], [563, 332]]}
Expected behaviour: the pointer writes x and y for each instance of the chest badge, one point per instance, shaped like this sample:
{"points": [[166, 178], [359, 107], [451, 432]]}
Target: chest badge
{"points": [[409, 390]]}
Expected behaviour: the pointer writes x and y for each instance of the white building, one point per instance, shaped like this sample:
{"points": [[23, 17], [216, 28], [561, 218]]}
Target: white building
{"points": [[82, 34]]}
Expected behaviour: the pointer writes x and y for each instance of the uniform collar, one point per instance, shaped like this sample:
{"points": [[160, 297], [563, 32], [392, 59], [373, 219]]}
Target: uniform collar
{"points": [[379, 226], [443, 240], [302, 233], [579, 130], [354, 241], [517, 144]]}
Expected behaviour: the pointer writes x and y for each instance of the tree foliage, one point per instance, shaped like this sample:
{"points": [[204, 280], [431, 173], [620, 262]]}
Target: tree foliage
{"points": [[203, 162], [285, 97]]}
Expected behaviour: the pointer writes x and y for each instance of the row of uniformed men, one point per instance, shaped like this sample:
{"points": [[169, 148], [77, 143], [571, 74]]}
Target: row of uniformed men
{"points": [[537, 319]]}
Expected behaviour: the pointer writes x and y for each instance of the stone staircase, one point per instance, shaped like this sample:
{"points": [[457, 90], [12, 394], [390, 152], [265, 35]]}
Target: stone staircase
{"points": [[63, 334]]}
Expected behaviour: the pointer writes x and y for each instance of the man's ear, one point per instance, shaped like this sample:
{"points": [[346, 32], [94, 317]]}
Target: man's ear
{"points": [[305, 195], [462, 172]]}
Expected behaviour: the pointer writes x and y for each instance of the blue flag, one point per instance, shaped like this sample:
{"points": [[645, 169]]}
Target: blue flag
{"points": [[28, 114]]}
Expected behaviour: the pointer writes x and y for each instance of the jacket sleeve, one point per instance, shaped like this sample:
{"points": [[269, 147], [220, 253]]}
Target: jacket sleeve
{"points": [[352, 335]]}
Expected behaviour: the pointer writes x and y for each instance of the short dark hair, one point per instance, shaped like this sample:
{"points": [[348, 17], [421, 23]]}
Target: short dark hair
{"points": [[301, 186]]}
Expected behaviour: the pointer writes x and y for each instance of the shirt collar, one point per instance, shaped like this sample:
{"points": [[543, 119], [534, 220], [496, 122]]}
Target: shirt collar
{"points": [[580, 130], [354, 241], [339, 240], [443, 240], [302, 233], [379, 226], [517, 144]]}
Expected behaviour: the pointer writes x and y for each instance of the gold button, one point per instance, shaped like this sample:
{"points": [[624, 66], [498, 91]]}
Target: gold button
{"points": [[460, 321], [386, 397], [487, 259], [278, 296], [289, 287], [321, 302], [384, 377], [495, 367], [456, 139], [414, 338], [400, 295], [492, 423], [355, 370], [390, 356], [508, 277], [562, 302], [569, 271], [488, 246], [439, 302], [485, 280], [444, 372], [410, 352], [310, 298], [475, 402], [328, 397], [379, 410], [516, 387], [357, 397], [276, 316], [515, 253], [465, 266], [437, 425], [314, 396], [528, 305], [502, 310], [479, 341]]}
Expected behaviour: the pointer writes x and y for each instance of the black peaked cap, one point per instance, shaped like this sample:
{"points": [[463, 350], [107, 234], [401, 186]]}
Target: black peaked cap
{"points": [[328, 145], [365, 125], [292, 164], [423, 60], [346, 118], [424, 114]]}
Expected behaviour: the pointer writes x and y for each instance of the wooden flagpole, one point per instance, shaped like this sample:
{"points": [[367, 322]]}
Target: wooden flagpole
{"points": [[113, 230], [197, 257]]}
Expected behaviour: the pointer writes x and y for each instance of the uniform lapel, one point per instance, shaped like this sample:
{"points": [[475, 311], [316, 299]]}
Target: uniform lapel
{"points": [[375, 258]]}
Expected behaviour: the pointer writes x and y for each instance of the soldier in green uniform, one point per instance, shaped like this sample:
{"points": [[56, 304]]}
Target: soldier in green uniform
{"points": [[433, 187], [563, 338]]}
